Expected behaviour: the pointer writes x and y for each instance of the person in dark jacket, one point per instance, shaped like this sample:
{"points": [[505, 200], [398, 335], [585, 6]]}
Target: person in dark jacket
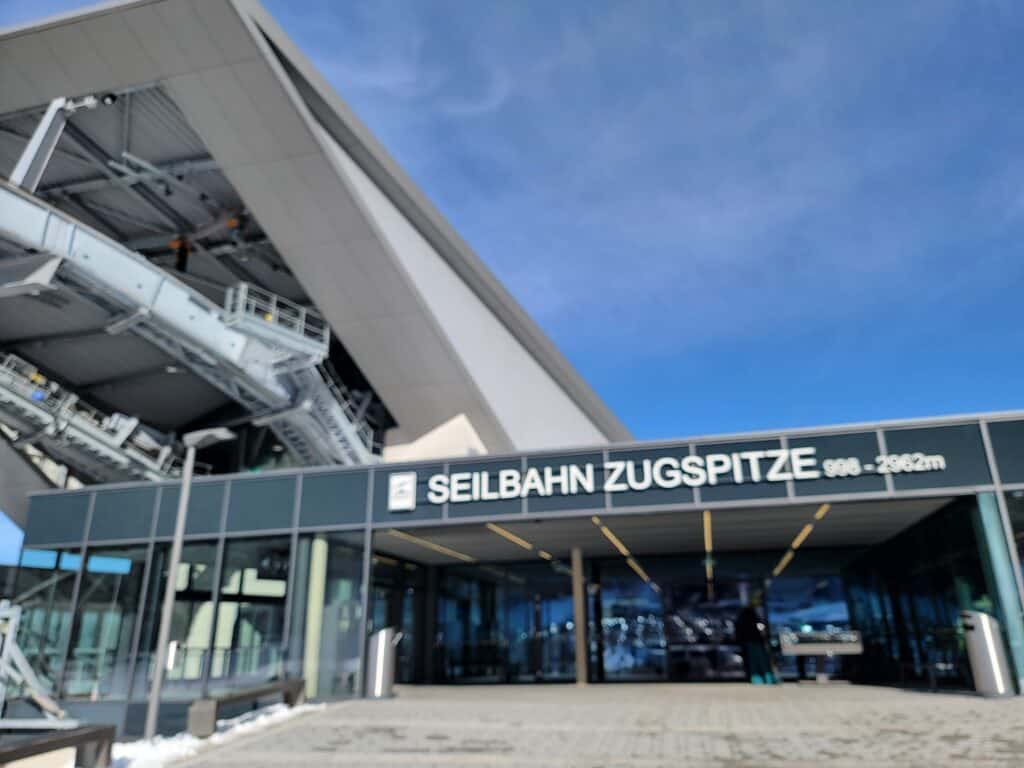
{"points": [[751, 637]]}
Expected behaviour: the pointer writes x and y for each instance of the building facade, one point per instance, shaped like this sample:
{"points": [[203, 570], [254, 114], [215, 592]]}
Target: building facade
{"points": [[887, 530]]}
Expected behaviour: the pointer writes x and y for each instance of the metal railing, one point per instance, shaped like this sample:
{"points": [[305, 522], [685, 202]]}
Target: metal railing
{"points": [[60, 416], [247, 302], [343, 395]]}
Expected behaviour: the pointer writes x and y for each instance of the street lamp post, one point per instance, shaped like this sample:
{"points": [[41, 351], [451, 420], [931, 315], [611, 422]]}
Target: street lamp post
{"points": [[193, 440]]}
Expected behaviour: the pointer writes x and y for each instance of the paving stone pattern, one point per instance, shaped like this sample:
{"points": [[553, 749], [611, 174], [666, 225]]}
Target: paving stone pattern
{"points": [[642, 726]]}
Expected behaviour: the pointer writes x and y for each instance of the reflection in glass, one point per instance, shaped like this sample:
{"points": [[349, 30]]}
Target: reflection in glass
{"points": [[44, 588], [327, 614], [108, 600], [191, 621], [248, 640], [511, 622]]}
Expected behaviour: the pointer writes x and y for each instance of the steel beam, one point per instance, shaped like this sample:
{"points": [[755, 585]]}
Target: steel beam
{"points": [[103, 160], [31, 166]]}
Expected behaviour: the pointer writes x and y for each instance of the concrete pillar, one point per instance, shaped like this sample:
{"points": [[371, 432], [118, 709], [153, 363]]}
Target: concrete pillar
{"points": [[314, 614], [579, 618], [998, 568]]}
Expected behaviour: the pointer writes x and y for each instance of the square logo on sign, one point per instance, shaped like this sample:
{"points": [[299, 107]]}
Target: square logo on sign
{"points": [[402, 492]]}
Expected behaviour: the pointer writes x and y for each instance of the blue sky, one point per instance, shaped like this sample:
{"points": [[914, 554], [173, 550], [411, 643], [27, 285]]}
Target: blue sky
{"points": [[729, 216]]}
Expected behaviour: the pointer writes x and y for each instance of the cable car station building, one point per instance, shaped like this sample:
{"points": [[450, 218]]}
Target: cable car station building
{"points": [[196, 232]]}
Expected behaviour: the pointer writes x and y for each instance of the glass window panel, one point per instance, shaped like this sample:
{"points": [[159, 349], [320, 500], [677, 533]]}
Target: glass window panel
{"points": [[44, 589], [248, 638], [327, 614], [191, 620], [108, 604]]}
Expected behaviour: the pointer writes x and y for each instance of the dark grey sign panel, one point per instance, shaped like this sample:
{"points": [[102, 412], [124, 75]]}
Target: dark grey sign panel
{"points": [[653, 477], [748, 475], [935, 457], [261, 503], [576, 473], [400, 494], [843, 462], [56, 518], [486, 476], [123, 514], [205, 502], [334, 498], [1008, 447]]}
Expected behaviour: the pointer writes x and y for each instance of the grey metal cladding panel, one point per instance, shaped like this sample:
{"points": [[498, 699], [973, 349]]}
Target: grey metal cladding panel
{"points": [[31, 56], [1008, 446], [499, 507], [276, 109], [196, 42], [261, 503], [205, 503], [229, 33], [56, 518], [726, 488], [961, 445], [535, 503], [15, 88], [200, 107], [237, 107], [423, 511], [76, 55], [656, 495], [121, 49], [148, 27], [860, 445], [123, 514], [334, 498]]}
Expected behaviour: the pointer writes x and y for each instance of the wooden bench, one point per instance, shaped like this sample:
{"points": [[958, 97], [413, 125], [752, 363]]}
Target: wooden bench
{"points": [[91, 743], [202, 713]]}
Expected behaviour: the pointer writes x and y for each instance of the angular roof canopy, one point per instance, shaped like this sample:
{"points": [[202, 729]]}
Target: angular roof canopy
{"points": [[432, 330]]}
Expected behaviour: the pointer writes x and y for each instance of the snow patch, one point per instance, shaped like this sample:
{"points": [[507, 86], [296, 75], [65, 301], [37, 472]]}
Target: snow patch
{"points": [[159, 751]]}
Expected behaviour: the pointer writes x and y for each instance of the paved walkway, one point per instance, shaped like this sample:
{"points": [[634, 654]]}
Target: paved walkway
{"points": [[641, 726]]}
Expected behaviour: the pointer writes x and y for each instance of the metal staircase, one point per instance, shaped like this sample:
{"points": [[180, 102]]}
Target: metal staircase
{"points": [[259, 349]]}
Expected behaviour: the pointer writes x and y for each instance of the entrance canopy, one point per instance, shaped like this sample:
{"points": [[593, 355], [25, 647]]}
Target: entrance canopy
{"points": [[851, 524], [855, 485]]}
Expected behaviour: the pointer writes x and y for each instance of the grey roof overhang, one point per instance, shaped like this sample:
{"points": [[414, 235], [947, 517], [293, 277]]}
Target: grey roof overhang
{"points": [[83, 52]]}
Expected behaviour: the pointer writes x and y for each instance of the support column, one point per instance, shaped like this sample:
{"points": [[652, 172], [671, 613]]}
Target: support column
{"points": [[34, 158], [998, 568], [579, 611], [314, 614]]}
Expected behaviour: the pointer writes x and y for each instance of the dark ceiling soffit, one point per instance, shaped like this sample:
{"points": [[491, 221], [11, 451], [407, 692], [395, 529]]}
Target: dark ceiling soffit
{"points": [[354, 137]]}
